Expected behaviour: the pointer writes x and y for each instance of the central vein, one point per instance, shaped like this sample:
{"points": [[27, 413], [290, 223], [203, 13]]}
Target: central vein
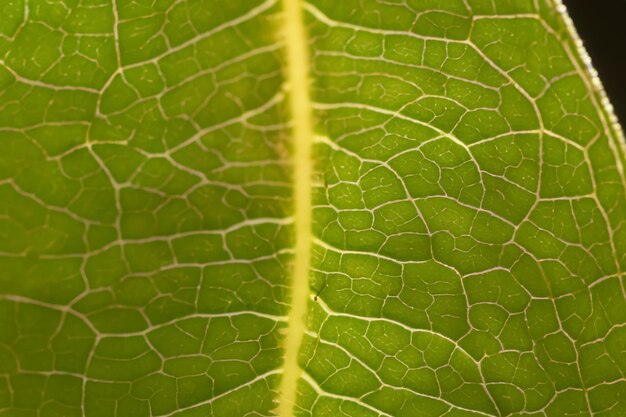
{"points": [[302, 139]]}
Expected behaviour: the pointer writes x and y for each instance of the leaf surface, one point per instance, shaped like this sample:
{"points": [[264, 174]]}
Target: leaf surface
{"points": [[437, 185]]}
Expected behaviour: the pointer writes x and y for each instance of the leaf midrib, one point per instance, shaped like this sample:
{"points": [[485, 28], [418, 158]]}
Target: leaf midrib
{"points": [[302, 139]]}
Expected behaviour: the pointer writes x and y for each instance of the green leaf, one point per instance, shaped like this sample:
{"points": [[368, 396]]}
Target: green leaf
{"points": [[315, 209]]}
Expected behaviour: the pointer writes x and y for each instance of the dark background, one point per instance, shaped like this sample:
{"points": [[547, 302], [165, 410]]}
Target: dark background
{"points": [[602, 26]]}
